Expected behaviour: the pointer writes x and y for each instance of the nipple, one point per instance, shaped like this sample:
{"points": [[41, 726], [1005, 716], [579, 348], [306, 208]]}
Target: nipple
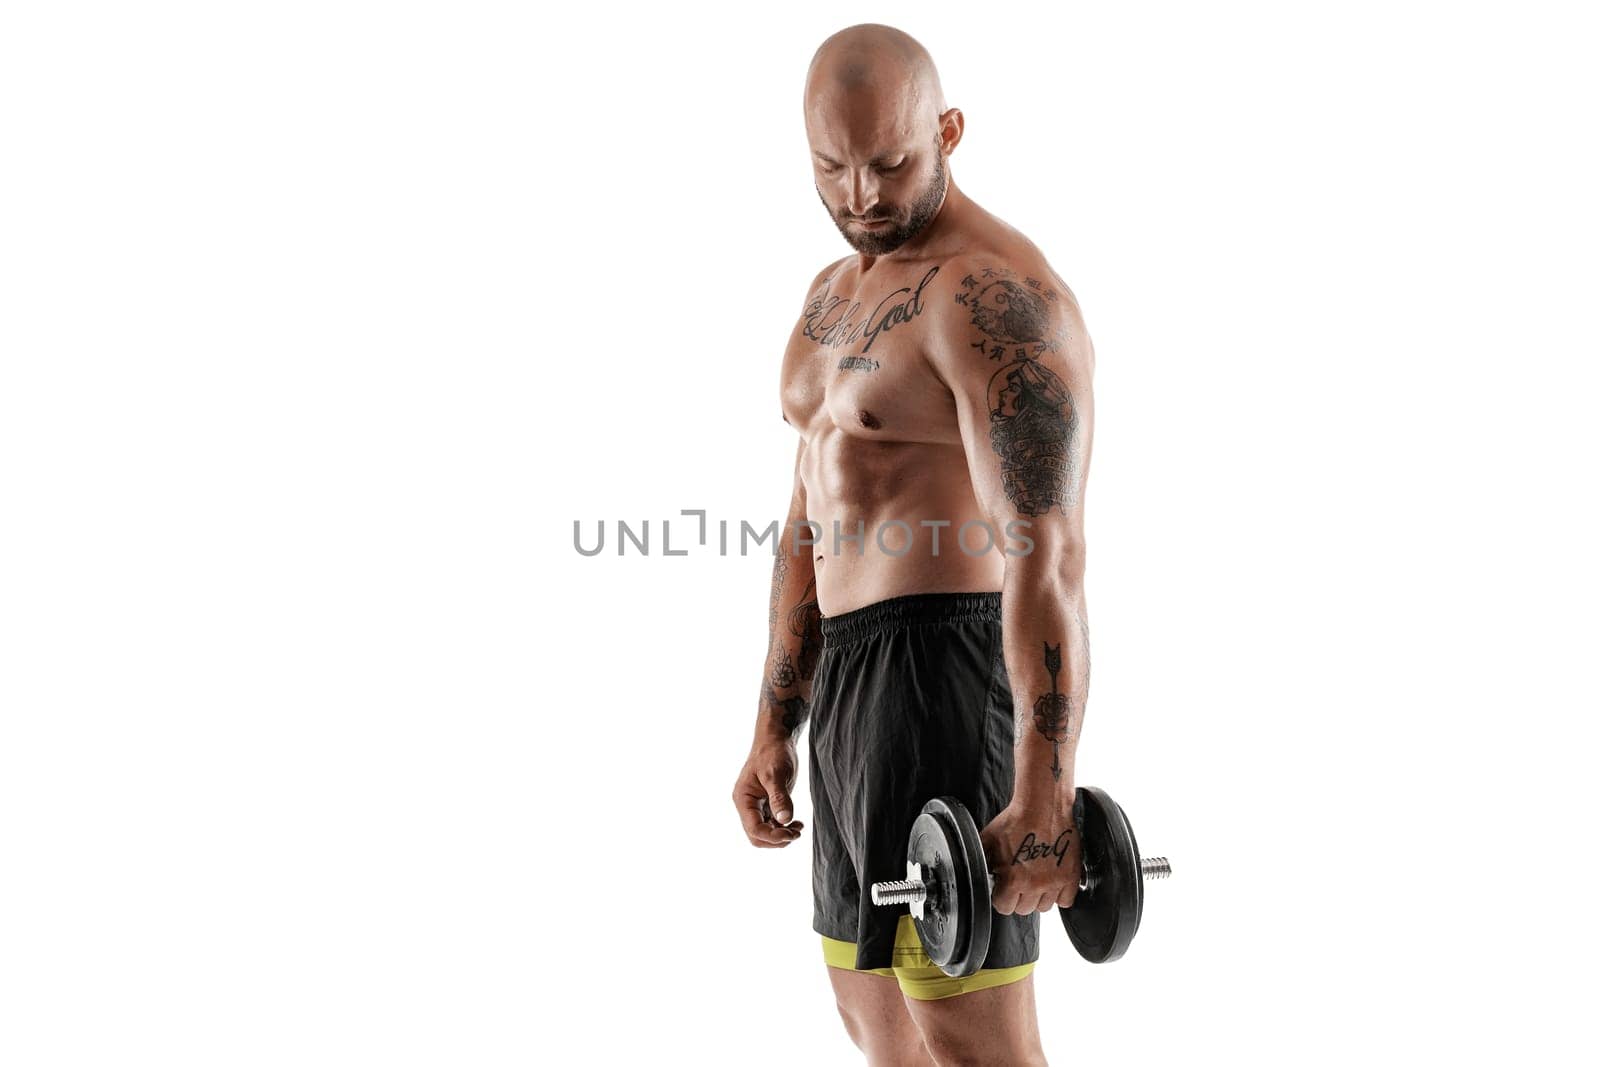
{"points": [[868, 419]]}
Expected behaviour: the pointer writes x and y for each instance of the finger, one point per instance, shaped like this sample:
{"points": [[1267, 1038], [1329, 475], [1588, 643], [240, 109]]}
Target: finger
{"points": [[1045, 902], [1064, 898], [1005, 903], [777, 797], [780, 834], [758, 830], [768, 837], [766, 817]]}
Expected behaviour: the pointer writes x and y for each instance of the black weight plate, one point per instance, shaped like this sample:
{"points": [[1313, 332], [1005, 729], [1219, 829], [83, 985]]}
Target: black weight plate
{"points": [[956, 915], [974, 888], [1104, 917], [933, 845]]}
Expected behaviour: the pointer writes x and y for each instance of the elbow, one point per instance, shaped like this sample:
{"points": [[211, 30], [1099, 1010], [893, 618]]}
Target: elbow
{"points": [[1055, 563]]}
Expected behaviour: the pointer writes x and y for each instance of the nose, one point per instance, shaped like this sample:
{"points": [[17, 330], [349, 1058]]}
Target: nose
{"points": [[861, 193]]}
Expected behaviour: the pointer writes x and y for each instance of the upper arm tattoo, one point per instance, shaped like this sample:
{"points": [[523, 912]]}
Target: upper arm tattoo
{"points": [[1033, 423]]}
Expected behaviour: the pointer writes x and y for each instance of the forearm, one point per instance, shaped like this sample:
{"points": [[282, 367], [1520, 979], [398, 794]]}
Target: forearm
{"points": [[794, 639], [1045, 623]]}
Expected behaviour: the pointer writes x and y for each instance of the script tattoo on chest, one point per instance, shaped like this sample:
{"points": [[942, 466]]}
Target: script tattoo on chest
{"points": [[835, 321], [1033, 424]]}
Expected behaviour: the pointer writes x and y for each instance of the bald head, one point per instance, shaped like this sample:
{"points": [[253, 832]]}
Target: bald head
{"points": [[878, 59], [875, 117]]}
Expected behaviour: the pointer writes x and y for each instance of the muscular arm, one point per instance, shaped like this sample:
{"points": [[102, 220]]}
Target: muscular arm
{"points": [[1012, 348], [794, 630]]}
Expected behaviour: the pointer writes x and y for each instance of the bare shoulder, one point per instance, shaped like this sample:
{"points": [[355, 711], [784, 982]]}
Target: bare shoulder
{"points": [[1005, 302], [823, 276]]}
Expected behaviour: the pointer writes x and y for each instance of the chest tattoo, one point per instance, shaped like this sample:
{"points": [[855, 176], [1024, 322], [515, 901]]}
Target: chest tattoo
{"points": [[834, 321], [857, 363]]}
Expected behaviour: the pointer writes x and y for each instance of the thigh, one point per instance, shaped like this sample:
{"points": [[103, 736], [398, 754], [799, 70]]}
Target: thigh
{"points": [[997, 1024], [875, 1015]]}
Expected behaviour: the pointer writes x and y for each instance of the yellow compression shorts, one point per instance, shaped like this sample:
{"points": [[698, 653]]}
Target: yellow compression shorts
{"points": [[919, 979]]}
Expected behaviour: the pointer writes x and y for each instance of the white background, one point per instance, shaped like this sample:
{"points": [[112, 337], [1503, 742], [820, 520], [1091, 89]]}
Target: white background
{"points": [[323, 322]]}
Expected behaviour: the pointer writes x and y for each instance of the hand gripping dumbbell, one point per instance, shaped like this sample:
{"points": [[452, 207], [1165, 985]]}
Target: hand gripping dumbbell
{"points": [[949, 887]]}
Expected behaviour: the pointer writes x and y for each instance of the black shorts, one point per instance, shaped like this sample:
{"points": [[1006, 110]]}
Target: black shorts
{"points": [[910, 701]]}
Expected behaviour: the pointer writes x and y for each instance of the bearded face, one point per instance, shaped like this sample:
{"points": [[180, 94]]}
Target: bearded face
{"points": [[899, 222]]}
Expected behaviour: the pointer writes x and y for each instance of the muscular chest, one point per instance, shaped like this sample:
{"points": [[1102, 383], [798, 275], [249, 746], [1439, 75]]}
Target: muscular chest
{"points": [[855, 360]]}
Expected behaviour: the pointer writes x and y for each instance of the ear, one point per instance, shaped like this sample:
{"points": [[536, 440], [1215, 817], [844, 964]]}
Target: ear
{"points": [[951, 125]]}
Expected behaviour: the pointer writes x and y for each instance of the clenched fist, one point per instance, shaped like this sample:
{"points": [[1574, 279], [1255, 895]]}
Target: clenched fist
{"points": [[1035, 854], [762, 794]]}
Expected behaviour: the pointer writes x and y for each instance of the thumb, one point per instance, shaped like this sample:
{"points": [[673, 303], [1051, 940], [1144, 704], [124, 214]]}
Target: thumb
{"points": [[778, 799]]}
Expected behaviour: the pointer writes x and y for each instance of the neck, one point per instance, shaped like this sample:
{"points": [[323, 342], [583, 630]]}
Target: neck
{"points": [[944, 221]]}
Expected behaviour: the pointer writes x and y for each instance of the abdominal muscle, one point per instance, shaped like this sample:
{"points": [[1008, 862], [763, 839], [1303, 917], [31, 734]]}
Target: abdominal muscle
{"points": [[899, 496]]}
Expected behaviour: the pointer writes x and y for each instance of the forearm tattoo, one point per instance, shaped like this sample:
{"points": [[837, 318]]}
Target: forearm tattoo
{"points": [[792, 711], [1052, 712], [783, 674], [780, 569], [788, 670], [1058, 708], [1033, 423], [805, 622]]}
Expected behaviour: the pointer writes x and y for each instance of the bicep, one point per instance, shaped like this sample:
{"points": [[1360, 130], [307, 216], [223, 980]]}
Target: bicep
{"points": [[1022, 389], [1028, 436], [1026, 429]]}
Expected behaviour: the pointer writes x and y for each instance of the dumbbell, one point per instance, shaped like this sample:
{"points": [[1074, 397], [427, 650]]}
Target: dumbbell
{"points": [[949, 887]]}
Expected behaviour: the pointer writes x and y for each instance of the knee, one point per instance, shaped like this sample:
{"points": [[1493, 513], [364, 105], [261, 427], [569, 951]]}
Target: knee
{"points": [[951, 1050], [883, 1043], [852, 1025], [980, 1047]]}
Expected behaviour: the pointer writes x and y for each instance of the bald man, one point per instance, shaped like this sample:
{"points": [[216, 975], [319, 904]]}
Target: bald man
{"points": [[927, 613]]}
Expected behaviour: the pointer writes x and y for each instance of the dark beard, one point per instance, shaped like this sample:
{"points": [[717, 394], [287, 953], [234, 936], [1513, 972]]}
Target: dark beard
{"points": [[882, 242]]}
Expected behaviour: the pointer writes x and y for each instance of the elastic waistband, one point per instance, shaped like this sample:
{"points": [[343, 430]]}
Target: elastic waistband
{"points": [[914, 609]]}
